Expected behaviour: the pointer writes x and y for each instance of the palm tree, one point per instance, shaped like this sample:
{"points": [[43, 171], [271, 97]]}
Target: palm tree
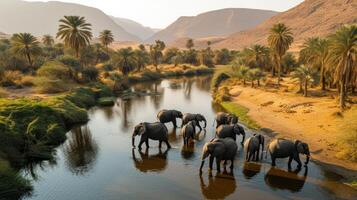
{"points": [[25, 45], [342, 56], [125, 60], [141, 57], [189, 44], [75, 32], [255, 75], [48, 40], [315, 52], [156, 53], [280, 39], [305, 75], [106, 38], [257, 55]]}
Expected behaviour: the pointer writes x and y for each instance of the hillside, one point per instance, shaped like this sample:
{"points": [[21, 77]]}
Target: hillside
{"points": [[41, 18], [310, 18], [200, 43], [215, 23], [135, 28]]}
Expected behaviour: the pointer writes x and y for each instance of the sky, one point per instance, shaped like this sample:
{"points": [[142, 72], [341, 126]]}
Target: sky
{"points": [[161, 13]]}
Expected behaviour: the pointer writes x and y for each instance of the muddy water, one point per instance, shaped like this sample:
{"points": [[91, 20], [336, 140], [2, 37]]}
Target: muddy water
{"points": [[97, 161]]}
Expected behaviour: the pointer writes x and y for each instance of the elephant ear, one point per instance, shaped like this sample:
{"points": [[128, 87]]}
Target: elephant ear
{"points": [[299, 148], [142, 129]]}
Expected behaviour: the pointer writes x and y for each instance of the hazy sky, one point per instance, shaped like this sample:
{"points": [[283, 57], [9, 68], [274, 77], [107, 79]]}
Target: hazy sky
{"points": [[160, 13]]}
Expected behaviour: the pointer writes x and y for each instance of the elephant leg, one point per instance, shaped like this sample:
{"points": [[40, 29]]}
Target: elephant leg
{"points": [[168, 144], [250, 156], [246, 156], [147, 143], [289, 162], [141, 143], [218, 163], [273, 160], [160, 143], [297, 159], [256, 155], [225, 163], [210, 162], [174, 123], [232, 164]]}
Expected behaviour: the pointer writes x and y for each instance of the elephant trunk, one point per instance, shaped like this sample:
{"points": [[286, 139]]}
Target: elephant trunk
{"points": [[205, 123], [243, 134], [262, 146], [133, 141]]}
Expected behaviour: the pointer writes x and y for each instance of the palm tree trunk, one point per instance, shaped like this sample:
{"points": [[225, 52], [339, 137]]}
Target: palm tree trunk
{"points": [[279, 69], [273, 70], [323, 84], [258, 82], [305, 91], [342, 95], [29, 59]]}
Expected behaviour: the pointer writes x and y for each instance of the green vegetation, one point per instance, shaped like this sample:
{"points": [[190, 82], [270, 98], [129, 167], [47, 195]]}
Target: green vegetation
{"points": [[106, 101], [12, 185], [240, 111]]}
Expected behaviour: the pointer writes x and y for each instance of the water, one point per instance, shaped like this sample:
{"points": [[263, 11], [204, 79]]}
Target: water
{"points": [[98, 162]]}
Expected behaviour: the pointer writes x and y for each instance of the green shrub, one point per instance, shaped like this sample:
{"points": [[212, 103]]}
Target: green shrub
{"points": [[47, 85], [54, 70]]}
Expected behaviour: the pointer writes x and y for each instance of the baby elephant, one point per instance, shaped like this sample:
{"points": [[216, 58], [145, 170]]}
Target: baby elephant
{"points": [[282, 148], [154, 131], [188, 131], [252, 147], [221, 149], [224, 131]]}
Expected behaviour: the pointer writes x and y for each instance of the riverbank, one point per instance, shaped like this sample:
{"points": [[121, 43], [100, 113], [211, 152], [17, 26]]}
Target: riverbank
{"points": [[318, 121]]}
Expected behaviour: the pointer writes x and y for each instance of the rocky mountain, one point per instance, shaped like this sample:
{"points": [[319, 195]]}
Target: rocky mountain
{"points": [[310, 18], [41, 18], [135, 28], [212, 24]]}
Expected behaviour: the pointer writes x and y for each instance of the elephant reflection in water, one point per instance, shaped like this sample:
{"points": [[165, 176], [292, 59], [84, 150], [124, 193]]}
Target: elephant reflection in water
{"points": [[219, 187], [150, 163], [174, 138], [80, 151], [286, 180], [188, 151], [251, 169]]}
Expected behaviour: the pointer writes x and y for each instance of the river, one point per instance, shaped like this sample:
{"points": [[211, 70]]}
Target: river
{"points": [[98, 162]]}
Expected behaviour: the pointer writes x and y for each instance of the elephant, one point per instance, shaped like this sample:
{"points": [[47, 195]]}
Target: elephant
{"points": [[252, 147], [225, 118], [224, 131], [154, 131], [285, 180], [219, 186], [196, 117], [150, 163], [282, 148], [188, 131], [221, 149], [165, 116]]}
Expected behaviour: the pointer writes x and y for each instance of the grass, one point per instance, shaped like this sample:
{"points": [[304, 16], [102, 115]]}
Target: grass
{"points": [[241, 112], [348, 143]]}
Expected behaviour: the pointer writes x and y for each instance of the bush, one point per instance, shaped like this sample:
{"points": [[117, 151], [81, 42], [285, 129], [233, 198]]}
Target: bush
{"points": [[3, 93], [54, 70], [11, 78], [50, 86], [27, 81], [218, 79], [90, 74]]}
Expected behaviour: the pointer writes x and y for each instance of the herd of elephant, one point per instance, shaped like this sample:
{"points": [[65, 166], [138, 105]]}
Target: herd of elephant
{"points": [[223, 146]]}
